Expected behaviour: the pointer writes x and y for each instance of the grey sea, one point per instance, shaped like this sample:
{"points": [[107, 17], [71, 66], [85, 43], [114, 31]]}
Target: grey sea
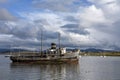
{"points": [[88, 68]]}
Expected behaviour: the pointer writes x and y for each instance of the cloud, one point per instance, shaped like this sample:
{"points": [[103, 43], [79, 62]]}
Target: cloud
{"points": [[5, 15], [101, 20], [57, 5], [101, 1], [91, 15], [74, 28], [111, 8], [94, 25], [51, 24]]}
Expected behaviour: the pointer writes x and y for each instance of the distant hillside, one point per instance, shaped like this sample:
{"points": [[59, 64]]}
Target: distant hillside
{"points": [[82, 50], [13, 50], [95, 50]]}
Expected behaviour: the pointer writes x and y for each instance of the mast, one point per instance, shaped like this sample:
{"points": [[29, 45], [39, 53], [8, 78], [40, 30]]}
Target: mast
{"points": [[59, 40], [10, 50], [41, 42], [59, 43]]}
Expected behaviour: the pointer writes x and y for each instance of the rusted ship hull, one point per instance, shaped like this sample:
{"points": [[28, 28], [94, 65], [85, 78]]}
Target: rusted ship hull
{"points": [[44, 60], [51, 58]]}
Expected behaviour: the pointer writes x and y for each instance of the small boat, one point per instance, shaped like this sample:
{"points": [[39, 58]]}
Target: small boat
{"points": [[7, 55]]}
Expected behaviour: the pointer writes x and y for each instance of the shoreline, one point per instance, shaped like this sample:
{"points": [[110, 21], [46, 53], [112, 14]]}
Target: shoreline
{"points": [[117, 54], [100, 54]]}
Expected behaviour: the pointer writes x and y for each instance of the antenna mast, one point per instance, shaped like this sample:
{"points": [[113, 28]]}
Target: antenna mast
{"points": [[59, 53], [59, 40], [41, 42]]}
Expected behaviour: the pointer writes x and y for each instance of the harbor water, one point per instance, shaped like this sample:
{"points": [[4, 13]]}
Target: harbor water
{"points": [[88, 68]]}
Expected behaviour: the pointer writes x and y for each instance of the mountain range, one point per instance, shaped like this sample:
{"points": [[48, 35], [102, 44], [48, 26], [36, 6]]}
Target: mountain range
{"points": [[13, 50], [82, 50]]}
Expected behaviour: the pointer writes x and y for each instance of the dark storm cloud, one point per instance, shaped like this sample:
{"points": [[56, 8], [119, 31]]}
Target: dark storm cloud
{"points": [[71, 26], [75, 28], [50, 35], [4, 29], [28, 31], [71, 19], [18, 31], [116, 29], [112, 29]]}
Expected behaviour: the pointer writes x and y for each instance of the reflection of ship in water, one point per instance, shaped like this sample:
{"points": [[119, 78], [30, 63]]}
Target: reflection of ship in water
{"points": [[46, 71]]}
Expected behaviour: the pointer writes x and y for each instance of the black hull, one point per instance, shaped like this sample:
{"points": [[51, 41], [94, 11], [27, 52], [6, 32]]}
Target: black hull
{"points": [[67, 60]]}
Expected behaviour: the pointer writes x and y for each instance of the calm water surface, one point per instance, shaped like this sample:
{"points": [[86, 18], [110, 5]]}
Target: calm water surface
{"points": [[88, 68]]}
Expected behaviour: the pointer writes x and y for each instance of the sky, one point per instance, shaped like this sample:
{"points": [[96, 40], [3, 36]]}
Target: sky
{"points": [[81, 23]]}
